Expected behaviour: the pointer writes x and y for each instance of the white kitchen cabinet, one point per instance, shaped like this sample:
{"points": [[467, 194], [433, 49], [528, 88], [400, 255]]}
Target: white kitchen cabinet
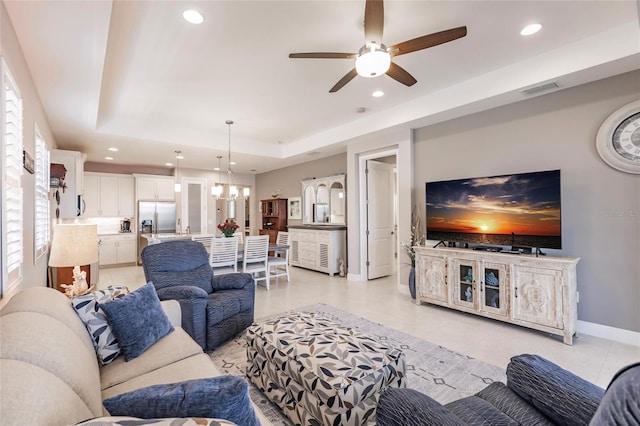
{"points": [[126, 197], [534, 292], [319, 248], [158, 188], [109, 195], [117, 249]]}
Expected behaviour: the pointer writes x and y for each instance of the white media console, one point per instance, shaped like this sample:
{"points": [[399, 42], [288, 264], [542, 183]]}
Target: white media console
{"points": [[534, 292]]}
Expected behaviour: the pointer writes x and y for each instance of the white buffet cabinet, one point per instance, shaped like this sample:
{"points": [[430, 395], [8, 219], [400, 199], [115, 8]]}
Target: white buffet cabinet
{"points": [[320, 248], [534, 292]]}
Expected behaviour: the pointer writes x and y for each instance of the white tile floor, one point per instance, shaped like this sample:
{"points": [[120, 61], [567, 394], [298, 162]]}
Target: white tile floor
{"points": [[379, 300]]}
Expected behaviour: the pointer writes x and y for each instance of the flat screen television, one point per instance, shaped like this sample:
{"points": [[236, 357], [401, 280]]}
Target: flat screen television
{"points": [[521, 210]]}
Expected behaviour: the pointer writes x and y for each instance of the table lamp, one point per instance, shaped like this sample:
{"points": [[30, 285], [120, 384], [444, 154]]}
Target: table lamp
{"points": [[74, 245]]}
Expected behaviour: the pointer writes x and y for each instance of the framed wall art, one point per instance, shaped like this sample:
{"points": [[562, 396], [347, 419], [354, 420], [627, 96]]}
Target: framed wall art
{"points": [[295, 207]]}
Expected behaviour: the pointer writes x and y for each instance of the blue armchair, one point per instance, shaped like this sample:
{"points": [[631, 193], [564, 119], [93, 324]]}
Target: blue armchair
{"points": [[214, 308], [538, 393]]}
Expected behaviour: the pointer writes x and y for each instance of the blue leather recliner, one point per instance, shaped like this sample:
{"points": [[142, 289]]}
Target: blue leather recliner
{"points": [[214, 308]]}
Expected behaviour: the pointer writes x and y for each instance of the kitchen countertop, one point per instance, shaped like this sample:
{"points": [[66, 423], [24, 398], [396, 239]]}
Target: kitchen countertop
{"points": [[319, 227], [160, 237]]}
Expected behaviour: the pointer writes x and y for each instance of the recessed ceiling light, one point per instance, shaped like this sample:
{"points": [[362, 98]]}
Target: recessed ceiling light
{"points": [[113, 149], [193, 16], [233, 163], [168, 164], [108, 158], [180, 157], [216, 168], [530, 29], [377, 93]]}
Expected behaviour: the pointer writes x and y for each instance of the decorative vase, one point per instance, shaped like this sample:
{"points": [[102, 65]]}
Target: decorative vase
{"points": [[228, 234], [412, 282]]}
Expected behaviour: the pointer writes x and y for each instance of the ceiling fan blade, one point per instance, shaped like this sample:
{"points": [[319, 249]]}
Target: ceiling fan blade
{"points": [[344, 80], [373, 21], [401, 75], [427, 41], [323, 55]]}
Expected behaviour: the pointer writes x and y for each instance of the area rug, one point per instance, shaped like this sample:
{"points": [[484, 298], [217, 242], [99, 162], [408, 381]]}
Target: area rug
{"points": [[442, 374]]}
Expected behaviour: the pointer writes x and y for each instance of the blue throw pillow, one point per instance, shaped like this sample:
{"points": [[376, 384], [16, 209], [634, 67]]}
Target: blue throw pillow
{"points": [[137, 320], [224, 397]]}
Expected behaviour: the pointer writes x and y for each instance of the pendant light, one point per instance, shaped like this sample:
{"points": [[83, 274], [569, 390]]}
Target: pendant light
{"points": [[177, 187], [232, 190], [217, 189]]}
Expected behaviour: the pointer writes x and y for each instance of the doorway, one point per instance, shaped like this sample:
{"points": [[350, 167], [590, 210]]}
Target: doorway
{"points": [[378, 240], [194, 205]]}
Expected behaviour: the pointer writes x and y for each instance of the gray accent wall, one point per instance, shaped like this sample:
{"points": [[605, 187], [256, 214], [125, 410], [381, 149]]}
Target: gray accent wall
{"points": [[600, 205], [287, 180]]}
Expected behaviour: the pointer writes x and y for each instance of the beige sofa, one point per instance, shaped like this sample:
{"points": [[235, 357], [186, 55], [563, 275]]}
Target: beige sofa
{"points": [[49, 373]]}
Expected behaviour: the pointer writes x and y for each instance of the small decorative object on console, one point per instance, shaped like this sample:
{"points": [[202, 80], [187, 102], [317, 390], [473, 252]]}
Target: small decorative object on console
{"points": [[491, 279], [228, 227]]}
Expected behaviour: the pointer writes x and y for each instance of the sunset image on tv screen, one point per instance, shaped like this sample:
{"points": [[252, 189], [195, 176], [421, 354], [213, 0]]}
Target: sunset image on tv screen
{"points": [[519, 209]]}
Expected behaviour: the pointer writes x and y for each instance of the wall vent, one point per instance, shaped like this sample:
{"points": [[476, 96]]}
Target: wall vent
{"points": [[539, 89]]}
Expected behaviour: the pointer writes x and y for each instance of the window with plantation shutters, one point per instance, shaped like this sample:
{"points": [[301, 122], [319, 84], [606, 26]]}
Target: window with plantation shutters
{"points": [[41, 214], [12, 244]]}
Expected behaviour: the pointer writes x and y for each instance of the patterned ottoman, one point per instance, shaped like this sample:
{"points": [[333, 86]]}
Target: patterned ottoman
{"points": [[319, 372]]}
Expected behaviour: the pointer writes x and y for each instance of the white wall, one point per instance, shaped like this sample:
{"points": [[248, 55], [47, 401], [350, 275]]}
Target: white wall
{"points": [[34, 270], [557, 131]]}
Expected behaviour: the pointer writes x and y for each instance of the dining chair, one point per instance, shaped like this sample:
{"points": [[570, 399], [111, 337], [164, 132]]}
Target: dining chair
{"points": [[254, 260], [280, 258], [204, 239], [238, 236], [223, 255]]}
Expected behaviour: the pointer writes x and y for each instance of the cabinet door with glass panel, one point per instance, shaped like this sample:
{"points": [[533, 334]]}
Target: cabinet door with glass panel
{"points": [[494, 281], [465, 288]]}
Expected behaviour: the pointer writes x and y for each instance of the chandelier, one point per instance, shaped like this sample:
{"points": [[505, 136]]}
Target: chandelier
{"points": [[233, 189]]}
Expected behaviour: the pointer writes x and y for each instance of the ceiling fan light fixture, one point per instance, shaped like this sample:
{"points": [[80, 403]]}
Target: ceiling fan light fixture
{"points": [[373, 61]]}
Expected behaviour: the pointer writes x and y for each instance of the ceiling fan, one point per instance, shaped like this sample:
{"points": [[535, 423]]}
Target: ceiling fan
{"points": [[374, 58]]}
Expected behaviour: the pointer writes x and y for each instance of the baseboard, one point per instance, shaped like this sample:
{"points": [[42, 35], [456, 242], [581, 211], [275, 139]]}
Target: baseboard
{"points": [[621, 335]]}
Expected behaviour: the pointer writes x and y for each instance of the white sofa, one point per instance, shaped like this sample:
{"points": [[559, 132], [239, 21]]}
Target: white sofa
{"points": [[49, 373]]}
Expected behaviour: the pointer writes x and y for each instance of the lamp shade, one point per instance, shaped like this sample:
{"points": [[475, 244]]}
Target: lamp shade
{"points": [[74, 245]]}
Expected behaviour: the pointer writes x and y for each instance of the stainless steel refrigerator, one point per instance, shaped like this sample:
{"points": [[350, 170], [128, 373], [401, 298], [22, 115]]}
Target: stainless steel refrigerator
{"points": [[155, 217]]}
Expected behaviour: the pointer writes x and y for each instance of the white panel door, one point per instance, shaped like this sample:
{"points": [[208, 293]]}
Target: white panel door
{"points": [[380, 189]]}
